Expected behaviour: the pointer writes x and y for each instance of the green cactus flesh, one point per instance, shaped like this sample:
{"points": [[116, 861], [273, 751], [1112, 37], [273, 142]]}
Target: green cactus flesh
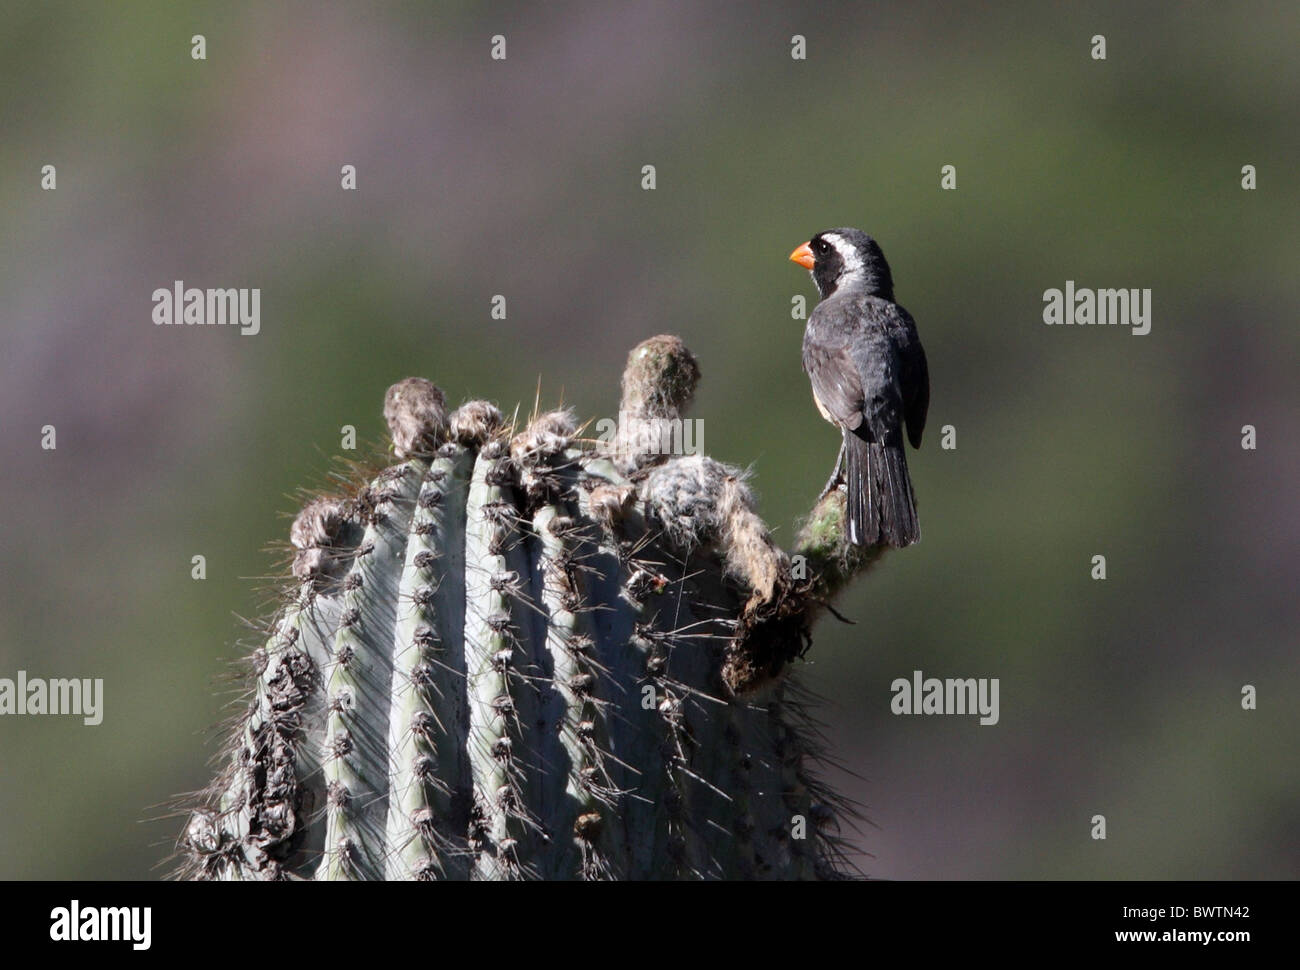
{"points": [[527, 656]]}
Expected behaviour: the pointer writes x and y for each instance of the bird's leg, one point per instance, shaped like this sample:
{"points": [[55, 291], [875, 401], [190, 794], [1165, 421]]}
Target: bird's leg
{"points": [[835, 474]]}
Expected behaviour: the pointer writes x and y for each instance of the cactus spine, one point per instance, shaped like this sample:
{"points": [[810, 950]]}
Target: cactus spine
{"points": [[515, 654]]}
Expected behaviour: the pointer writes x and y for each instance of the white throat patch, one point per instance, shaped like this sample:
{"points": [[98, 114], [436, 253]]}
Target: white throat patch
{"points": [[849, 256]]}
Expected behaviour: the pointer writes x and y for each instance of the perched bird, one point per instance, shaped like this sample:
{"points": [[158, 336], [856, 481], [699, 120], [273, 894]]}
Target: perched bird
{"points": [[869, 379]]}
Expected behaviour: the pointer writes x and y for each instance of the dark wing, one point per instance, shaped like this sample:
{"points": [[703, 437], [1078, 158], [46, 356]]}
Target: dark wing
{"points": [[914, 373], [916, 393], [875, 355], [828, 361]]}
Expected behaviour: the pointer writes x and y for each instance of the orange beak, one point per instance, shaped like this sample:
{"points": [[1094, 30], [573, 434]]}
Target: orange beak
{"points": [[803, 256]]}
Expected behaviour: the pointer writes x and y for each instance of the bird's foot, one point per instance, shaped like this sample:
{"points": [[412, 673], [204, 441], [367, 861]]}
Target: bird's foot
{"points": [[831, 486], [833, 482]]}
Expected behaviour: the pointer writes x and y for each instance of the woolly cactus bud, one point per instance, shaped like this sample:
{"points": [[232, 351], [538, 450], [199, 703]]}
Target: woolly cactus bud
{"points": [[549, 434], [660, 378], [658, 385], [514, 656], [475, 422], [684, 498], [314, 534], [416, 413], [608, 504]]}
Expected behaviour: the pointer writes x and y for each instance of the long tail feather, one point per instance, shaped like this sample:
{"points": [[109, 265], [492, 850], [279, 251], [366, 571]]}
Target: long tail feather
{"points": [[881, 503]]}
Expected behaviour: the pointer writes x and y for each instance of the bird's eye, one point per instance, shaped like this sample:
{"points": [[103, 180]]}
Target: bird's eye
{"points": [[820, 246]]}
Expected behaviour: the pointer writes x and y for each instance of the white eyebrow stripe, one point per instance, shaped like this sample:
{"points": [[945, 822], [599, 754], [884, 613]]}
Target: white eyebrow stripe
{"points": [[848, 254]]}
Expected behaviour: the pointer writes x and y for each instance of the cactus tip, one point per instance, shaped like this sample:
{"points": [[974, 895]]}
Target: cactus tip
{"points": [[313, 533], [660, 378], [475, 422], [416, 412], [549, 434], [684, 497]]}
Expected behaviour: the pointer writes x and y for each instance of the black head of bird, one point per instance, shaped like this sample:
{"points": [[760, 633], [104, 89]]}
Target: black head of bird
{"points": [[843, 258]]}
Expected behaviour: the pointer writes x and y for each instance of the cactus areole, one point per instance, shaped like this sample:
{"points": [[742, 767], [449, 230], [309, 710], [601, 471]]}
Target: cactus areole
{"points": [[521, 654]]}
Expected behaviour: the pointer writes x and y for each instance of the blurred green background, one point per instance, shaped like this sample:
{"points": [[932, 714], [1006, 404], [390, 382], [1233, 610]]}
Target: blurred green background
{"points": [[522, 177]]}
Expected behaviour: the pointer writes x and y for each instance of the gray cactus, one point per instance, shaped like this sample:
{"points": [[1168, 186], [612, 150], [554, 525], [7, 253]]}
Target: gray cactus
{"points": [[521, 654]]}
